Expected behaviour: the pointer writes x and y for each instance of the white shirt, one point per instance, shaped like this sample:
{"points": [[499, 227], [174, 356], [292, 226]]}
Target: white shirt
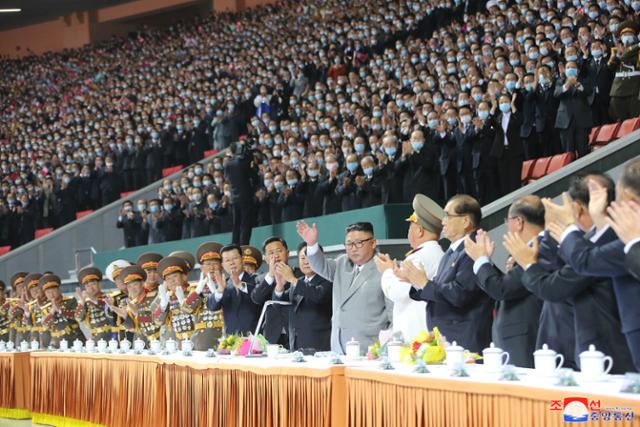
{"points": [[218, 295], [409, 316], [505, 126]]}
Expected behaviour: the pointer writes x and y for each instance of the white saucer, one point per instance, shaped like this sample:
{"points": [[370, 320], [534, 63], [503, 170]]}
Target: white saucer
{"points": [[598, 379]]}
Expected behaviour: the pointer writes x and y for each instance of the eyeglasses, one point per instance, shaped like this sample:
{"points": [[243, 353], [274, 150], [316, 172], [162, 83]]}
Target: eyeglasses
{"points": [[448, 215], [357, 244], [509, 218]]}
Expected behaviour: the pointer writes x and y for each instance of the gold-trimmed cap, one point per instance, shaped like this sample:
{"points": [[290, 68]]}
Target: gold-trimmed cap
{"points": [[209, 251], [18, 278], [427, 214], [32, 280], [188, 258], [251, 255], [88, 274], [133, 273], [49, 281], [172, 264], [149, 260], [115, 268]]}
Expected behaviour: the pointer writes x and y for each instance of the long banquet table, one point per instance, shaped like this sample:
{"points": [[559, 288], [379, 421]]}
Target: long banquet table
{"points": [[143, 390]]}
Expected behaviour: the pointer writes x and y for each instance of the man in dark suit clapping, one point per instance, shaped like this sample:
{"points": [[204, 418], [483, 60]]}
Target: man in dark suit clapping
{"points": [[455, 302], [310, 315]]}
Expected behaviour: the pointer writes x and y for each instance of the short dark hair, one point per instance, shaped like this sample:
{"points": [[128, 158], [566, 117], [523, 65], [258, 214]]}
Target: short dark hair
{"points": [[630, 177], [274, 239], [579, 187], [467, 205], [360, 226], [230, 248], [302, 246], [530, 208]]}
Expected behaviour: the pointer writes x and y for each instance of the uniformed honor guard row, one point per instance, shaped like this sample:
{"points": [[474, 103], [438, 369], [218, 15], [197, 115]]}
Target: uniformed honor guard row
{"points": [[153, 300]]}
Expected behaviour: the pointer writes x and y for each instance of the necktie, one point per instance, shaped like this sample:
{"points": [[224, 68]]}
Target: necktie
{"points": [[444, 262]]}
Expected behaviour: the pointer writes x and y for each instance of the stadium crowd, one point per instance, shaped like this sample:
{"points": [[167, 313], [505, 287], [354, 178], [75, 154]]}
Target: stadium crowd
{"points": [[345, 105], [571, 282]]}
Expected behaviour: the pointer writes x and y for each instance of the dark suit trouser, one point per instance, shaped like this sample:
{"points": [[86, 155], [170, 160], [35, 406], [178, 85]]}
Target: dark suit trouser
{"points": [[242, 220], [531, 146], [633, 342], [600, 110], [449, 184], [549, 142], [575, 138], [509, 171]]}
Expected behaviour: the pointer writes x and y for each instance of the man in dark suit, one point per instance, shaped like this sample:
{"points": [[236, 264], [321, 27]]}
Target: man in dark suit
{"points": [[546, 111], [515, 326], [574, 115], [465, 136], [233, 296], [418, 166], [455, 303], [131, 224], [601, 77], [603, 259], [507, 146], [528, 131], [242, 177], [272, 284], [310, 315], [592, 300], [624, 218]]}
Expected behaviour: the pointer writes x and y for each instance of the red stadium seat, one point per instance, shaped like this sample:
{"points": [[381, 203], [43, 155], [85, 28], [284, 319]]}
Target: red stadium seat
{"points": [[527, 168], [210, 153], [607, 134], [627, 127], [125, 194], [560, 160], [43, 232], [540, 168], [593, 135], [170, 171], [83, 213], [4, 249]]}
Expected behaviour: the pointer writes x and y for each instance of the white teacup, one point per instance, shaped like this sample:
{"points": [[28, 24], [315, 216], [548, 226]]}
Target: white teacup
{"points": [[592, 363], [138, 345], [10, 345], [547, 362], [24, 346], [35, 345], [187, 345], [273, 350], [170, 346], [125, 345], [353, 349], [102, 346], [90, 345], [494, 358], [455, 355], [77, 345], [64, 345], [3, 346], [155, 346], [113, 345]]}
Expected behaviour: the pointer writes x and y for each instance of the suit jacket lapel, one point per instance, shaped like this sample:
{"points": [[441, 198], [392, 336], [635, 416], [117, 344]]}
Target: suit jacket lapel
{"points": [[356, 283]]}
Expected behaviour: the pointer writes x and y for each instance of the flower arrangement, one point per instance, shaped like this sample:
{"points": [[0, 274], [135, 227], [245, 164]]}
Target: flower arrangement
{"points": [[426, 346], [239, 345]]}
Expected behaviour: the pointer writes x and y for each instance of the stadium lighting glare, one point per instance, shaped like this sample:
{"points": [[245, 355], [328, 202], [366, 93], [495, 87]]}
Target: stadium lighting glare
{"points": [[10, 10]]}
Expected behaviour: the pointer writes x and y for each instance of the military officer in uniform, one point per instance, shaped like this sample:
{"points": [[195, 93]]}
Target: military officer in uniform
{"points": [[34, 318], [209, 324], [4, 314], [149, 263], [135, 312], [92, 309], [16, 309], [119, 297], [252, 258], [625, 59], [167, 308], [59, 313]]}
